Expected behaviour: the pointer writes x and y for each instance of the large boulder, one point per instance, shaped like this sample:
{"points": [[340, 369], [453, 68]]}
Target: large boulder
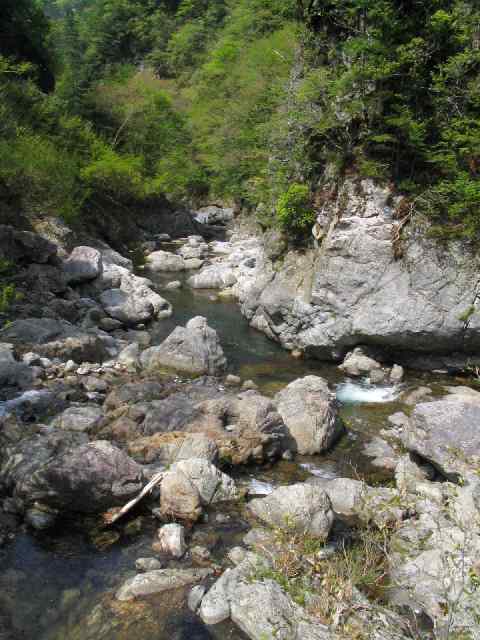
{"points": [[82, 265], [355, 503], [55, 338], [165, 261], [369, 285], [192, 484], [446, 433], [264, 610], [299, 507], [310, 414], [63, 471], [24, 246], [193, 349], [260, 608], [168, 448], [433, 559], [245, 427], [215, 276]]}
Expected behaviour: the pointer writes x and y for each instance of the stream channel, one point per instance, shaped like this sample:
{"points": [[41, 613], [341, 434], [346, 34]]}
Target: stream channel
{"points": [[59, 585]]}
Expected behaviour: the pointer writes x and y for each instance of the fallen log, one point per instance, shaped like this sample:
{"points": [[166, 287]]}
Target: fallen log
{"points": [[115, 514]]}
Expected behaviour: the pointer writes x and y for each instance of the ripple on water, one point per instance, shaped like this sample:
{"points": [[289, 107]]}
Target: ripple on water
{"points": [[362, 392]]}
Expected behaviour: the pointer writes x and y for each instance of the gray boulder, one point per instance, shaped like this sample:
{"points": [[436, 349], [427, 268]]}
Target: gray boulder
{"points": [[299, 507], [194, 349], [192, 484], [153, 582], [133, 304], [82, 265], [215, 276], [358, 363], [212, 485], [446, 433], [309, 412], [165, 261], [83, 418], [65, 472], [179, 497], [263, 610], [214, 214], [55, 338]]}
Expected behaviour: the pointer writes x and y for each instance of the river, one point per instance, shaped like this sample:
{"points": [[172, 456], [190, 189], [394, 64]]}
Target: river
{"points": [[58, 585]]}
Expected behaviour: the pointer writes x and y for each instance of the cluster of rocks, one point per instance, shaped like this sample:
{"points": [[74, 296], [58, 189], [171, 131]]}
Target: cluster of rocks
{"points": [[361, 362]]}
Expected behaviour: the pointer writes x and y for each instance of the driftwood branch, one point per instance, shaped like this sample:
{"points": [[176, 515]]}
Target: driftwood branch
{"points": [[115, 514]]}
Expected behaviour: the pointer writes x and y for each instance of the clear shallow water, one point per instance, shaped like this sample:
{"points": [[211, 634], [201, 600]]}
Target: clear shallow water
{"points": [[60, 585]]}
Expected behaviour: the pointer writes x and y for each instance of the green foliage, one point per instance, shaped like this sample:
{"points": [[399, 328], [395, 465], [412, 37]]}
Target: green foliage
{"points": [[397, 97], [294, 210]]}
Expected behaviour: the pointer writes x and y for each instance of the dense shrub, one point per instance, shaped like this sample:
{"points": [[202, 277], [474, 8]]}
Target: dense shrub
{"points": [[294, 209]]}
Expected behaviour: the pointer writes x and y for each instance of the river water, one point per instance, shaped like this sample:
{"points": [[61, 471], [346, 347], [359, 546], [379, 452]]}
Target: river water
{"points": [[59, 585]]}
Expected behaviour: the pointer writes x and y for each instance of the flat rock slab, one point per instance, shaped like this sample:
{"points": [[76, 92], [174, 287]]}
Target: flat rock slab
{"points": [[158, 581]]}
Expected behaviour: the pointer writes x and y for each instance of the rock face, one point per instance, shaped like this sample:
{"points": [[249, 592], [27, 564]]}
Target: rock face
{"points": [[83, 264], [309, 412], [194, 349], [362, 287], [298, 507], [446, 433]]}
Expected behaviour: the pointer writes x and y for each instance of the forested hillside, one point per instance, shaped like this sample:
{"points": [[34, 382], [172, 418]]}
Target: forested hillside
{"points": [[256, 101]]}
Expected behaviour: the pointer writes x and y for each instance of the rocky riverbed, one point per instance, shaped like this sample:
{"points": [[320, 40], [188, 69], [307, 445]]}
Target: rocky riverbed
{"points": [[295, 500]]}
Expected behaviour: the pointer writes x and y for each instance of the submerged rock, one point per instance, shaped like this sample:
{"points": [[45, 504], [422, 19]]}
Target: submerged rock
{"points": [[193, 349], [310, 414]]}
